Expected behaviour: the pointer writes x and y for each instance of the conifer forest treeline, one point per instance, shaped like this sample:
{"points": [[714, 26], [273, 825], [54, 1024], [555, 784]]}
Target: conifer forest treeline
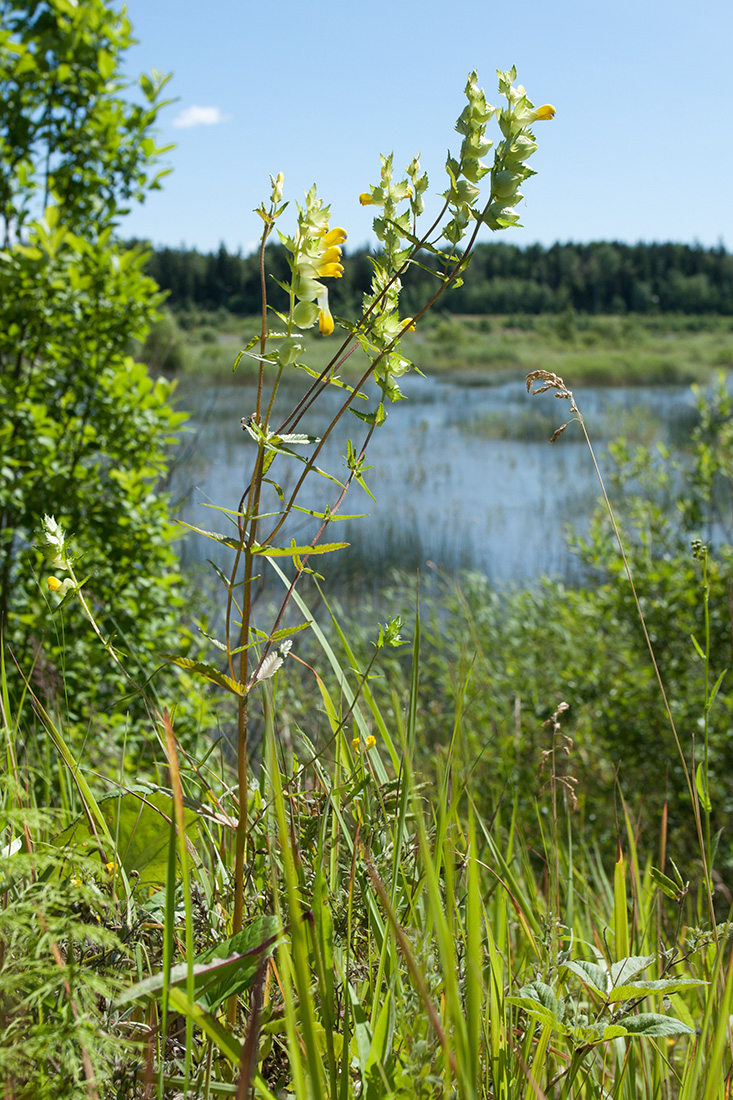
{"points": [[601, 277]]}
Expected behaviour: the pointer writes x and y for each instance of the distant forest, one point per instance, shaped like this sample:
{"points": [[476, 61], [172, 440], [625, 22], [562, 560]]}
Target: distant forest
{"points": [[604, 277]]}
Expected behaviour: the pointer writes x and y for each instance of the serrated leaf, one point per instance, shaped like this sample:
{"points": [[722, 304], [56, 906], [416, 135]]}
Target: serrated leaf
{"points": [[546, 996], [272, 662], [332, 517], [614, 1031], [628, 968], [590, 974], [297, 438], [534, 1009], [657, 985], [224, 540], [208, 672], [289, 551], [653, 1023]]}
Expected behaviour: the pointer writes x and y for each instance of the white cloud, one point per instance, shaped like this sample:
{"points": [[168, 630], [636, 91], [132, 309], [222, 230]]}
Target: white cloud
{"points": [[198, 116]]}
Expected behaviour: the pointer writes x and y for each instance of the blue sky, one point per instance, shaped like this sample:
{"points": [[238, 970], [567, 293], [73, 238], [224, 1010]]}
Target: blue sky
{"points": [[640, 148]]}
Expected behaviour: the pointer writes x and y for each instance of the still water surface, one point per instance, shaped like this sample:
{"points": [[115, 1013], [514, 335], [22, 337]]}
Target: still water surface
{"points": [[463, 473]]}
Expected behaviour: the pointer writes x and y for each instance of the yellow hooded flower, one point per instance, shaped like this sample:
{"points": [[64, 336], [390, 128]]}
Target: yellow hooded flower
{"points": [[544, 113], [325, 317], [53, 584]]}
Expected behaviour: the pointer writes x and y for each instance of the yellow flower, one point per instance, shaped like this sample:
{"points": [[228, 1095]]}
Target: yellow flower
{"points": [[111, 868], [334, 236], [544, 113], [356, 744], [53, 584], [370, 742], [366, 199], [325, 318]]}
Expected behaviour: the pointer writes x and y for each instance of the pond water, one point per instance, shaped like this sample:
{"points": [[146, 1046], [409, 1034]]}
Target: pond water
{"points": [[463, 473]]}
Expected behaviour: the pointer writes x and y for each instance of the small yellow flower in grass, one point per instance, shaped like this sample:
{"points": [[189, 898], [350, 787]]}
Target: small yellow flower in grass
{"points": [[111, 868], [544, 113], [325, 317], [370, 743], [356, 744], [53, 584]]}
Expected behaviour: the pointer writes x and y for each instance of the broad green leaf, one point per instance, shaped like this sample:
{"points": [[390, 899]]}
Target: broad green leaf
{"points": [[614, 1031], [538, 1012], [140, 821], [597, 977], [626, 969], [653, 1023], [228, 968], [660, 985]]}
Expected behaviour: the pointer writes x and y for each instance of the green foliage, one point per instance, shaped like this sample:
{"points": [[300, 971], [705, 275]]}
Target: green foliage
{"points": [[69, 131], [85, 432]]}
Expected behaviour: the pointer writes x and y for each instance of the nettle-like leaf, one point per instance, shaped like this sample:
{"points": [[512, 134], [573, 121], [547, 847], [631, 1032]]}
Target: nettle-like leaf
{"points": [[661, 985], [540, 1002], [591, 974], [653, 1023], [628, 968]]}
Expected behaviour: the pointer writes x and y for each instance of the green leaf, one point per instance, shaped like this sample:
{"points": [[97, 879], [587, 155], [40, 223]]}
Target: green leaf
{"points": [[228, 968], [140, 821], [208, 672], [653, 1023], [666, 885], [224, 540], [626, 969], [658, 985], [716, 688], [538, 1012], [289, 551], [597, 977], [702, 789]]}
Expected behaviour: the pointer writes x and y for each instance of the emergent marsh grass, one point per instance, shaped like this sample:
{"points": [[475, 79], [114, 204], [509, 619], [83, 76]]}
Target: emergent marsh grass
{"points": [[610, 351]]}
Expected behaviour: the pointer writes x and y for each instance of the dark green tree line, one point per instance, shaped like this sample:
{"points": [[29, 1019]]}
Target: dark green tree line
{"points": [[601, 277]]}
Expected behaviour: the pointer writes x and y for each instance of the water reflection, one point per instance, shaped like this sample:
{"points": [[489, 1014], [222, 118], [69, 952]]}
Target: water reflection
{"points": [[462, 472]]}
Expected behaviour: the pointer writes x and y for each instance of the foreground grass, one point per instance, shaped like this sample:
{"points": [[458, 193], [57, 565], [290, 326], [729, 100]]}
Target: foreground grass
{"points": [[396, 942], [608, 351]]}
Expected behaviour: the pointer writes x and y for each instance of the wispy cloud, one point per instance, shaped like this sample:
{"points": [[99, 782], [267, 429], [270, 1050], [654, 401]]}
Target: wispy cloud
{"points": [[198, 116]]}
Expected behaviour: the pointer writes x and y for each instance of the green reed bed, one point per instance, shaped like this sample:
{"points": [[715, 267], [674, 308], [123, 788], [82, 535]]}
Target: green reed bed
{"points": [[593, 350]]}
